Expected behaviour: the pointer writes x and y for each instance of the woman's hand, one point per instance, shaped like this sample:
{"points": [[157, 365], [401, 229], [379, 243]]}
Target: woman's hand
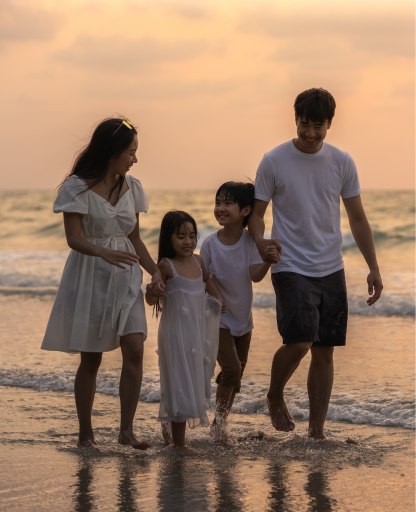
{"points": [[157, 287], [117, 258]]}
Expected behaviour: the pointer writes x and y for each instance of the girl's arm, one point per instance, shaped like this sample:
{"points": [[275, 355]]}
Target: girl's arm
{"points": [[211, 287], [166, 274], [73, 229], [146, 261]]}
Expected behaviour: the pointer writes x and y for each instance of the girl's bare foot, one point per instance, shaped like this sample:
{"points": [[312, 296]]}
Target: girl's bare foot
{"points": [[185, 451], [88, 444], [167, 437], [127, 438]]}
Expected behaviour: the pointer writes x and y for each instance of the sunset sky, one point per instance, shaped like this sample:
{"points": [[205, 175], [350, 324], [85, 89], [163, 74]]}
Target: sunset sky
{"points": [[210, 84]]}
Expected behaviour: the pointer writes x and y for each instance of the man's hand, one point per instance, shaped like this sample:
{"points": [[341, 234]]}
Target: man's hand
{"points": [[375, 286], [270, 250]]}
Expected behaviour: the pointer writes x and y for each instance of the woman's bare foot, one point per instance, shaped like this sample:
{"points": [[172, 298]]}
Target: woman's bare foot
{"points": [[88, 444], [185, 451], [279, 414], [167, 436], [127, 438], [219, 433]]}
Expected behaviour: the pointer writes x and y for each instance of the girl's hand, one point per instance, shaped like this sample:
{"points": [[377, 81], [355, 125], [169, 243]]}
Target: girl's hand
{"points": [[157, 286], [118, 258]]}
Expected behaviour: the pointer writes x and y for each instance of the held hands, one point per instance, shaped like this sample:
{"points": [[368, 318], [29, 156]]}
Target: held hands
{"points": [[224, 306], [270, 250], [118, 258], [157, 287], [374, 284]]}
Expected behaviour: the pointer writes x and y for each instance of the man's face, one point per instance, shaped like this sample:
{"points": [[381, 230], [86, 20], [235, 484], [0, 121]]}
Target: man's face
{"points": [[310, 134]]}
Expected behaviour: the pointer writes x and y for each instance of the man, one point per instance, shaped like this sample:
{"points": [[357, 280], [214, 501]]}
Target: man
{"points": [[305, 178]]}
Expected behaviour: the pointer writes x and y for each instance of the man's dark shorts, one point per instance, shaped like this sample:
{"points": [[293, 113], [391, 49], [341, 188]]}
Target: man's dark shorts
{"points": [[311, 308]]}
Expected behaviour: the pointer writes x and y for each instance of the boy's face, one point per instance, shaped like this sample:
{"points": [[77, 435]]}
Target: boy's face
{"points": [[228, 213], [311, 134]]}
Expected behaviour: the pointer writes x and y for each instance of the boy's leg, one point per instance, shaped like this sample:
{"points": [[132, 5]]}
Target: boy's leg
{"points": [[178, 436]]}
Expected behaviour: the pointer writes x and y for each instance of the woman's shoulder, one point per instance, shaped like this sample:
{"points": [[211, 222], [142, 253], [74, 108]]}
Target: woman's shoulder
{"points": [[72, 197], [141, 199]]}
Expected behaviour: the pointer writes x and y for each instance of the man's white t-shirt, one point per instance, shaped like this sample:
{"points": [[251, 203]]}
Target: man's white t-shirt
{"points": [[230, 268], [305, 190]]}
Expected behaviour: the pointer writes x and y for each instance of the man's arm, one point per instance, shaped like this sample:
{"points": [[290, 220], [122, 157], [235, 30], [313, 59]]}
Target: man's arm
{"points": [[256, 230], [363, 236]]}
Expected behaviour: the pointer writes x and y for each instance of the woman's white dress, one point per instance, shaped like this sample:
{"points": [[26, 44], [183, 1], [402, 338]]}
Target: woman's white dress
{"points": [[187, 347], [97, 302]]}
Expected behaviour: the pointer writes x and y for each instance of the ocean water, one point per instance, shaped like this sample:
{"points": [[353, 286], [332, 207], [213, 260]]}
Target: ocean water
{"points": [[33, 252], [372, 405]]}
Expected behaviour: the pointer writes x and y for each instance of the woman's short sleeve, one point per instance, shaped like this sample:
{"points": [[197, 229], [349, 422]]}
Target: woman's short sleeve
{"points": [[70, 199], [141, 201]]}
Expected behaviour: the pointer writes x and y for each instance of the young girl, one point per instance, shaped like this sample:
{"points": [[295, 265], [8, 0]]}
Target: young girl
{"points": [[188, 330], [99, 305]]}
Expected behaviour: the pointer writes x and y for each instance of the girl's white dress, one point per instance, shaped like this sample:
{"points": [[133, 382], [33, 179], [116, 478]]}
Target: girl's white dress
{"points": [[187, 347], [97, 302]]}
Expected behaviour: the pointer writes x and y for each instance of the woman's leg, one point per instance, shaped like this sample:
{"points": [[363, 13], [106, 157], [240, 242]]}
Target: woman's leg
{"points": [[132, 348], [84, 387], [178, 436]]}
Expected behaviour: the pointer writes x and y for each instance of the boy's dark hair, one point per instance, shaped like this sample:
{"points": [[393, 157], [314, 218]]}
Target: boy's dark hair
{"points": [[172, 223], [237, 192], [316, 105]]}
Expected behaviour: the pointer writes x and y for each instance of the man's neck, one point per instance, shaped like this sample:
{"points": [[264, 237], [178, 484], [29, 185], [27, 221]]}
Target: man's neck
{"points": [[298, 145]]}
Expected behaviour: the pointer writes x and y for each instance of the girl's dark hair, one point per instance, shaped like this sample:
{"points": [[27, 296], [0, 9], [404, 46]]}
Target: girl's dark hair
{"points": [[237, 192], [317, 105], [172, 223], [111, 137]]}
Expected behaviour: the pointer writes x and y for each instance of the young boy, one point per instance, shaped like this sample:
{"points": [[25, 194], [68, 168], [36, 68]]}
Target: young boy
{"points": [[231, 256]]}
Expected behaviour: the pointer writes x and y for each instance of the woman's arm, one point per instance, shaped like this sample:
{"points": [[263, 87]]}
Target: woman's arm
{"points": [[211, 287], [146, 260], [73, 229]]}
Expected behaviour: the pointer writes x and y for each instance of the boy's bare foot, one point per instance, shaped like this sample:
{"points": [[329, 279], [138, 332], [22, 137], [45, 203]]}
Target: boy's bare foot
{"points": [[219, 433], [129, 439], [279, 414], [167, 437], [185, 451], [88, 444]]}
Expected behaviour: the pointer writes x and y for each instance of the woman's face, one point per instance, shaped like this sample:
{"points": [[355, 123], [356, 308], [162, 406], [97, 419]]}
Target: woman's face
{"points": [[123, 163]]}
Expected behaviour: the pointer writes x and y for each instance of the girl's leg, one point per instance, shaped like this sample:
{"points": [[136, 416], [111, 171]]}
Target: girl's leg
{"points": [[132, 347], [84, 387], [178, 436]]}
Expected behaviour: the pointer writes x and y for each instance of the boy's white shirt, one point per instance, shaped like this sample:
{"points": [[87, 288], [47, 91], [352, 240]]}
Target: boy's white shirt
{"points": [[230, 268]]}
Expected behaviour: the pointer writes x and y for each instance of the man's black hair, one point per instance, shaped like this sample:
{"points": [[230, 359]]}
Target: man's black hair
{"points": [[237, 192], [316, 105]]}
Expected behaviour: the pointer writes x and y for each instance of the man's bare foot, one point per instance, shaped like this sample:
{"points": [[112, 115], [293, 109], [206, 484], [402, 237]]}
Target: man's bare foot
{"points": [[219, 433], [88, 444], [129, 439], [185, 451], [279, 414], [318, 435], [167, 436]]}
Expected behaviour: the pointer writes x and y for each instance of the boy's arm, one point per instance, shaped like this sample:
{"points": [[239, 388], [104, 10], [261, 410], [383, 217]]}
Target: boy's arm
{"points": [[363, 236], [257, 272], [211, 287], [256, 230]]}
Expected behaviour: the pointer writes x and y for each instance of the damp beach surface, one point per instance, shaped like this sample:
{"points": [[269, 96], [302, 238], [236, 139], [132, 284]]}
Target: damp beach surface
{"points": [[366, 464]]}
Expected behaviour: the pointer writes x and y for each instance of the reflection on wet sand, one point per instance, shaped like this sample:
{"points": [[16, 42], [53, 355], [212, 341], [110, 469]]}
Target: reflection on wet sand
{"points": [[278, 486], [317, 488], [129, 483], [227, 492], [83, 498]]}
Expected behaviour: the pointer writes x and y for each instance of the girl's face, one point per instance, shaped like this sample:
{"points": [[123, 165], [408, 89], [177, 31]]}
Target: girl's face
{"points": [[184, 241], [124, 162]]}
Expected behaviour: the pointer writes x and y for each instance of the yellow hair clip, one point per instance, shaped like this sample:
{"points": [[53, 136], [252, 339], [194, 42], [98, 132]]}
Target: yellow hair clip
{"points": [[127, 123]]}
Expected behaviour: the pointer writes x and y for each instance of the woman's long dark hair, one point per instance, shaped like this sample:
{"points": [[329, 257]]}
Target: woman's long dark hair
{"points": [[171, 224], [110, 138]]}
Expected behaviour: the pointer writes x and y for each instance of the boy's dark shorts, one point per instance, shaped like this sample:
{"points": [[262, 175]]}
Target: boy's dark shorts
{"points": [[311, 308]]}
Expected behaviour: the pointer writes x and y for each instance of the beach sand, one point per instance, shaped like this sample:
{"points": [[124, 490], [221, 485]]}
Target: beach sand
{"points": [[372, 469]]}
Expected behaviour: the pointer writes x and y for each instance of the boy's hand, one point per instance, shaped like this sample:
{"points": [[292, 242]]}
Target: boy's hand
{"points": [[272, 253], [263, 245]]}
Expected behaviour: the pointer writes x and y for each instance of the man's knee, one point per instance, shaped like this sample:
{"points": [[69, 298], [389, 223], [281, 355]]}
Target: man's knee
{"points": [[322, 355], [298, 350]]}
